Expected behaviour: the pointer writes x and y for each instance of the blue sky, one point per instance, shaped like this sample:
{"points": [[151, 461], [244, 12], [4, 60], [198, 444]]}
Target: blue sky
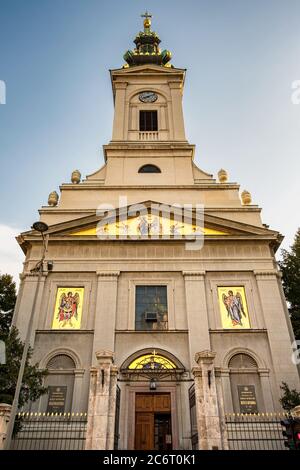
{"points": [[242, 57]]}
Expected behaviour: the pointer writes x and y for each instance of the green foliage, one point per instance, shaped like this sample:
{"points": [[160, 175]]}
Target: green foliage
{"points": [[32, 387], [290, 267], [7, 301], [290, 398]]}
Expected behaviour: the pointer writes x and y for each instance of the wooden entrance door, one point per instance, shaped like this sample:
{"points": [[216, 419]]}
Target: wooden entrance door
{"points": [[153, 421], [144, 431]]}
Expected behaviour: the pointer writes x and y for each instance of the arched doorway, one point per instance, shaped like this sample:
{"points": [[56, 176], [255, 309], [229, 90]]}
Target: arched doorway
{"points": [[152, 376]]}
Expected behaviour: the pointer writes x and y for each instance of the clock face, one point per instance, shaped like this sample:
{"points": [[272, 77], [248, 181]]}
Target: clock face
{"points": [[148, 97]]}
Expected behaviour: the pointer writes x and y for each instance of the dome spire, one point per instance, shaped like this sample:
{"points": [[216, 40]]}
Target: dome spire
{"points": [[147, 49]]}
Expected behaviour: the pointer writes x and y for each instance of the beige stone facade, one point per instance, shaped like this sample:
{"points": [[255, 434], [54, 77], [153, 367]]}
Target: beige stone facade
{"points": [[238, 252]]}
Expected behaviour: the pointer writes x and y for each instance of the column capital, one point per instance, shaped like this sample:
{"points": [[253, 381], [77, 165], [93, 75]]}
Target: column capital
{"points": [[197, 371], [175, 84], [32, 276], [220, 372], [104, 357], [4, 408], [295, 412], [266, 274], [194, 275], [114, 370], [108, 275], [205, 357], [120, 85], [264, 372], [79, 372]]}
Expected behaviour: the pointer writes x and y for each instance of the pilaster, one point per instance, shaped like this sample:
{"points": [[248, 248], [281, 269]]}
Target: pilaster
{"points": [[30, 283], [177, 112], [196, 307], [77, 390], [278, 333], [119, 115], [106, 306]]}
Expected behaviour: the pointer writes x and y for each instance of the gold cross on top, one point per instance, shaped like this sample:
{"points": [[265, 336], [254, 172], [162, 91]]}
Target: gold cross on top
{"points": [[146, 15]]}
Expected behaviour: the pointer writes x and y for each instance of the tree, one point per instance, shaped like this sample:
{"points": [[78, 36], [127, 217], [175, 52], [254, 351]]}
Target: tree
{"points": [[290, 267], [7, 301], [32, 387], [290, 398]]}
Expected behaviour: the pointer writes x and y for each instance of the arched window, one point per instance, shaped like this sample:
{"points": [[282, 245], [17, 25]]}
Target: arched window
{"points": [[149, 168], [151, 362], [61, 361], [245, 384], [60, 384], [242, 361]]}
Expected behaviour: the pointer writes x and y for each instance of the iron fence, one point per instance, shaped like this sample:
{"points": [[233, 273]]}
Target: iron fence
{"points": [[50, 431], [261, 431]]}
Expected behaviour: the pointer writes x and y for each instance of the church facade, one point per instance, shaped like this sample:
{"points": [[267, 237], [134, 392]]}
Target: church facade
{"points": [[160, 307]]}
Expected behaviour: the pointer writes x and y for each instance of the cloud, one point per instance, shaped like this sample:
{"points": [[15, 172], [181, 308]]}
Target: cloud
{"points": [[11, 255]]}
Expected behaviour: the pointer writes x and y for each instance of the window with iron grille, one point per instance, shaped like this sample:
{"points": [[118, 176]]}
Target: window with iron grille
{"points": [[148, 121], [151, 308]]}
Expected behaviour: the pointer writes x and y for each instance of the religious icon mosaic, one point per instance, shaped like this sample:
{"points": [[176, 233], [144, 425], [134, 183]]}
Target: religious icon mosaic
{"points": [[68, 308], [233, 307]]}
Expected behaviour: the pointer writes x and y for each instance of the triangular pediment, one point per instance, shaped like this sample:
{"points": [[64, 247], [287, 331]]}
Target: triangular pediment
{"points": [[154, 220]]}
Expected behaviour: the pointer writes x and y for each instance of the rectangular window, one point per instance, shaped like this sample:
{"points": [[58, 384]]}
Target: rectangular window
{"points": [[151, 308], [148, 121]]}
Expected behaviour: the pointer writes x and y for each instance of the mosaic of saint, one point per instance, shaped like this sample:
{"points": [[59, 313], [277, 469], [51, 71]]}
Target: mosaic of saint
{"points": [[68, 308], [233, 307]]}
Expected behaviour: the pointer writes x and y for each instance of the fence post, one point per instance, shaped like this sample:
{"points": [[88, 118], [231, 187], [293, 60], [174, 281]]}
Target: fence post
{"points": [[208, 418], [101, 405], [5, 410]]}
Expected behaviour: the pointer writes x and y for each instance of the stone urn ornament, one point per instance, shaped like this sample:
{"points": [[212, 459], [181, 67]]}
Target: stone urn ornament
{"points": [[76, 177], [223, 176], [53, 199], [246, 198]]}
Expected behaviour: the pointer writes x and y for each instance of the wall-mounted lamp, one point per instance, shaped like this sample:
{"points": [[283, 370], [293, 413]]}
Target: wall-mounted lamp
{"points": [[152, 384], [50, 265]]}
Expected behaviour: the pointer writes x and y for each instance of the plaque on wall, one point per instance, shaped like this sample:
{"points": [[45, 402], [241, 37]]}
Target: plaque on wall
{"points": [[247, 399], [56, 399]]}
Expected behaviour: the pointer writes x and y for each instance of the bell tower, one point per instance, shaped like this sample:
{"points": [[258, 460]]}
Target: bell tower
{"points": [[148, 93]]}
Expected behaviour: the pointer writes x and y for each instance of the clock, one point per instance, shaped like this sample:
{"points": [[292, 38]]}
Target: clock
{"points": [[148, 97]]}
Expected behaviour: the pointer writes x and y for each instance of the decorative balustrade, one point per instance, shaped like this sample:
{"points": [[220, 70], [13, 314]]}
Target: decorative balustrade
{"points": [[148, 136]]}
